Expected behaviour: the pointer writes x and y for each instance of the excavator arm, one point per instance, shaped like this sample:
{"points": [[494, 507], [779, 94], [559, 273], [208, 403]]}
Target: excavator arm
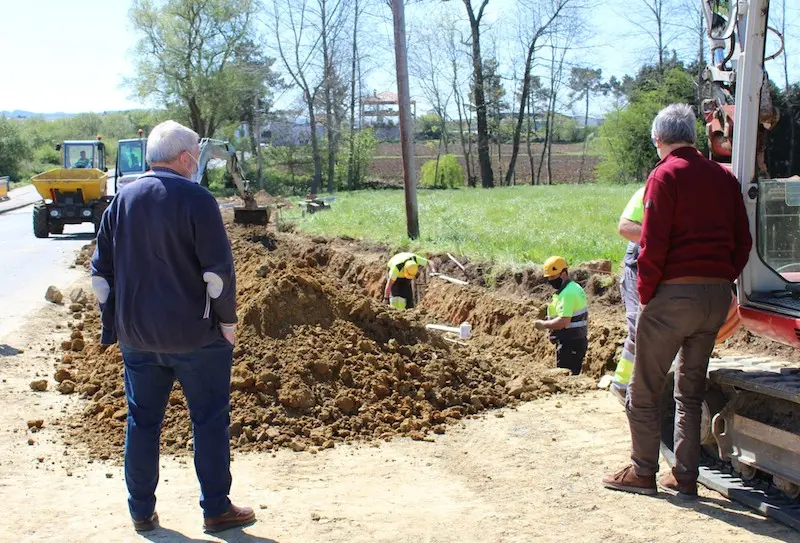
{"points": [[213, 149]]}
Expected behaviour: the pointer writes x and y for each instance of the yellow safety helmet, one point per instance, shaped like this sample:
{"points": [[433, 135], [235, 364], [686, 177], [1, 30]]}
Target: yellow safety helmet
{"points": [[410, 269], [553, 266]]}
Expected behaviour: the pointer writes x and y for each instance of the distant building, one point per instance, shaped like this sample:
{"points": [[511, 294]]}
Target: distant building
{"points": [[383, 109]]}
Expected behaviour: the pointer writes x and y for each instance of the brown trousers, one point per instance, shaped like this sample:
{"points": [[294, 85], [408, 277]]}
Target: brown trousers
{"points": [[683, 318]]}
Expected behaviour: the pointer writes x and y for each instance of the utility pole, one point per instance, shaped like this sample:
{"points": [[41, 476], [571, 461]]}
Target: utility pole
{"points": [[406, 130]]}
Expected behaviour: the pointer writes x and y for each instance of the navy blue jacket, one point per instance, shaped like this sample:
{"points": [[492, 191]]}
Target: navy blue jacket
{"points": [[163, 269]]}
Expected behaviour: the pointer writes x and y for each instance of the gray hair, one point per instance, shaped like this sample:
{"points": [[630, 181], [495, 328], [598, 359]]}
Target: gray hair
{"points": [[675, 123], [168, 140]]}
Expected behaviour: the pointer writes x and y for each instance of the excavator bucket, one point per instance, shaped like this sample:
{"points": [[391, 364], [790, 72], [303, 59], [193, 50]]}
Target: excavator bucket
{"points": [[256, 215]]}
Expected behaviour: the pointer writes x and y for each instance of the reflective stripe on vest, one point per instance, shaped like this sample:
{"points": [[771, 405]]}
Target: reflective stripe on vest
{"points": [[579, 319], [622, 375]]}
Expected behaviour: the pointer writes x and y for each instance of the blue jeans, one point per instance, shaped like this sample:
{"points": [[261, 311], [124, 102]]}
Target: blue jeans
{"points": [[205, 376]]}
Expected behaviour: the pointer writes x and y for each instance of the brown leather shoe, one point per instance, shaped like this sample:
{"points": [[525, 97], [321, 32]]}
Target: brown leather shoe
{"points": [[686, 491], [146, 525], [232, 518], [627, 480]]}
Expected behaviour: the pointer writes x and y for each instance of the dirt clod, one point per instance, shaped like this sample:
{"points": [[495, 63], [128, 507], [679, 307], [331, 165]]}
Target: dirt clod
{"points": [[66, 387], [53, 295], [35, 424], [62, 374], [39, 385]]}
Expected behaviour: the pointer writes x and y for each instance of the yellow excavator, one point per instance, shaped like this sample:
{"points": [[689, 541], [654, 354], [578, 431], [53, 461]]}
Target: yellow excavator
{"points": [[74, 193]]}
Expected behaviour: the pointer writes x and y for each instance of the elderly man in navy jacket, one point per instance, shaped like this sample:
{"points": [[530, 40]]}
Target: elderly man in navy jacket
{"points": [[163, 274]]}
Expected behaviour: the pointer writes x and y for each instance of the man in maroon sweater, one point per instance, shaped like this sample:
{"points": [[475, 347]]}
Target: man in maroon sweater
{"points": [[695, 242]]}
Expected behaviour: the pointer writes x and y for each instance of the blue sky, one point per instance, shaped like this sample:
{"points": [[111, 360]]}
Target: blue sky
{"points": [[72, 56]]}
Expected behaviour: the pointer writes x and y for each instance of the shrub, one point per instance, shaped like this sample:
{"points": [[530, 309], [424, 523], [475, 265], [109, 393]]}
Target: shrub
{"points": [[448, 175]]}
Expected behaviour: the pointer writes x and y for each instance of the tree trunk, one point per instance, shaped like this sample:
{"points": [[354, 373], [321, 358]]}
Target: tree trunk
{"points": [[512, 163], [351, 180], [327, 83], [315, 181], [585, 136], [257, 142], [531, 116], [484, 160]]}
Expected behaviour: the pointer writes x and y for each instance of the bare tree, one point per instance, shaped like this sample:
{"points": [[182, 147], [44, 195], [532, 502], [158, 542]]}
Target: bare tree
{"points": [[331, 17], [652, 21], [561, 43], [353, 75], [536, 19], [584, 82], [298, 49], [427, 66], [487, 176], [455, 57]]}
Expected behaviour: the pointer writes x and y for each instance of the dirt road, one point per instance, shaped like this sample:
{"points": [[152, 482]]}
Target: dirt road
{"points": [[525, 474]]}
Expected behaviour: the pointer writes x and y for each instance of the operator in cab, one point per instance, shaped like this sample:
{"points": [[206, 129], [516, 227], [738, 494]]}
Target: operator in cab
{"points": [[403, 269], [567, 316], [83, 162]]}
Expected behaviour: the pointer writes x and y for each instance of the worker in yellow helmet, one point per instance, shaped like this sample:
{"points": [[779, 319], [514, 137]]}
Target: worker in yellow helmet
{"points": [[403, 269], [567, 316]]}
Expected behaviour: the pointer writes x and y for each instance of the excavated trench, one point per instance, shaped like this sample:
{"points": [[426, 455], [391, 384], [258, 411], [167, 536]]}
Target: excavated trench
{"points": [[319, 359]]}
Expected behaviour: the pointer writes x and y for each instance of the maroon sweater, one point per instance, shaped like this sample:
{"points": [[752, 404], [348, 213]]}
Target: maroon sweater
{"points": [[695, 224]]}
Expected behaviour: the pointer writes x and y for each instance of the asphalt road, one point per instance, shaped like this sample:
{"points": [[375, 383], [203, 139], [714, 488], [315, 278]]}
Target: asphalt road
{"points": [[29, 265]]}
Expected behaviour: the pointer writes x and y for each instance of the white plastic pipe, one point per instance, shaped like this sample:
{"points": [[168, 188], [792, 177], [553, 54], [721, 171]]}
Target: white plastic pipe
{"points": [[464, 331]]}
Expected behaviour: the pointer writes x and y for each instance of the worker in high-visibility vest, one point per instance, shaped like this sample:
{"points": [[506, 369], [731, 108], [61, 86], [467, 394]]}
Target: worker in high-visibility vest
{"points": [[630, 227], [567, 316], [403, 269]]}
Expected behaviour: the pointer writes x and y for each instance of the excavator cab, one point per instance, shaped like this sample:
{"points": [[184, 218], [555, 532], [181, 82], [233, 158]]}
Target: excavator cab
{"points": [[131, 160]]}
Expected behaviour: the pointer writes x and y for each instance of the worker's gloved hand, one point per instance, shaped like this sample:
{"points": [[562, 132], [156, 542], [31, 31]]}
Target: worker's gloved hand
{"points": [[539, 325], [228, 332]]}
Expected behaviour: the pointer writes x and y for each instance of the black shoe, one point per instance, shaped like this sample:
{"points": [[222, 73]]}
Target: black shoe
{"points": [[146, 525]]}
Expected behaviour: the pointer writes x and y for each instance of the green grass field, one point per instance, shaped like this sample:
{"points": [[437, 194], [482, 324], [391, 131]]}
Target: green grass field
{"points": [[513, 226]]}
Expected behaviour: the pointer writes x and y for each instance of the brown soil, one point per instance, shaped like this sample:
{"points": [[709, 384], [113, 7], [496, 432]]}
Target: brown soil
{"points": [[319, 359]]}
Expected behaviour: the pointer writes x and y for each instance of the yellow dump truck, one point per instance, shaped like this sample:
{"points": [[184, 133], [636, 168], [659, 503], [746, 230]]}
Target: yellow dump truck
{"points": [[75, 193], [4, 188]]}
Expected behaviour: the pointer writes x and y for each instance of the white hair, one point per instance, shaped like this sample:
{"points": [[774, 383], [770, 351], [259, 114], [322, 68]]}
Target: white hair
{"points": [[168, 140], [675, 123]]}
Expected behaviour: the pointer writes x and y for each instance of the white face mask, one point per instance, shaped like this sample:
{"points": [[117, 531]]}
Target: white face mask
{"points": [[195, 175]]}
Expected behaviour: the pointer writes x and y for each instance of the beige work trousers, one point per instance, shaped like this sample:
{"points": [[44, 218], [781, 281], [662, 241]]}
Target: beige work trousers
{"points": [[681, 318]]}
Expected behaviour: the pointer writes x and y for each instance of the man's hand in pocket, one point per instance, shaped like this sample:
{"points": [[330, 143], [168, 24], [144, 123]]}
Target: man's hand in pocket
{"points": [[228, 332]]}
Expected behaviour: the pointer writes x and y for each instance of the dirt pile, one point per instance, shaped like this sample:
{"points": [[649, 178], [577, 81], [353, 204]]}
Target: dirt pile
{"points": [[319, 360]]}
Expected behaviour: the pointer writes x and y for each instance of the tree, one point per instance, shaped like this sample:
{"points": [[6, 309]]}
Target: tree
{"points": [[495, 106], [650, 18], [427, 68], [200, 58], [455, 57], [584, 82], [13, 149], [487, 176], [298, 52], [625, 146], [535, 23], [331, 17]]}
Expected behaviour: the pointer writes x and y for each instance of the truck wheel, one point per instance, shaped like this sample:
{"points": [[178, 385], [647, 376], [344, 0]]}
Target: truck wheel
{"points": [[40, 222], [57, 229]]}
